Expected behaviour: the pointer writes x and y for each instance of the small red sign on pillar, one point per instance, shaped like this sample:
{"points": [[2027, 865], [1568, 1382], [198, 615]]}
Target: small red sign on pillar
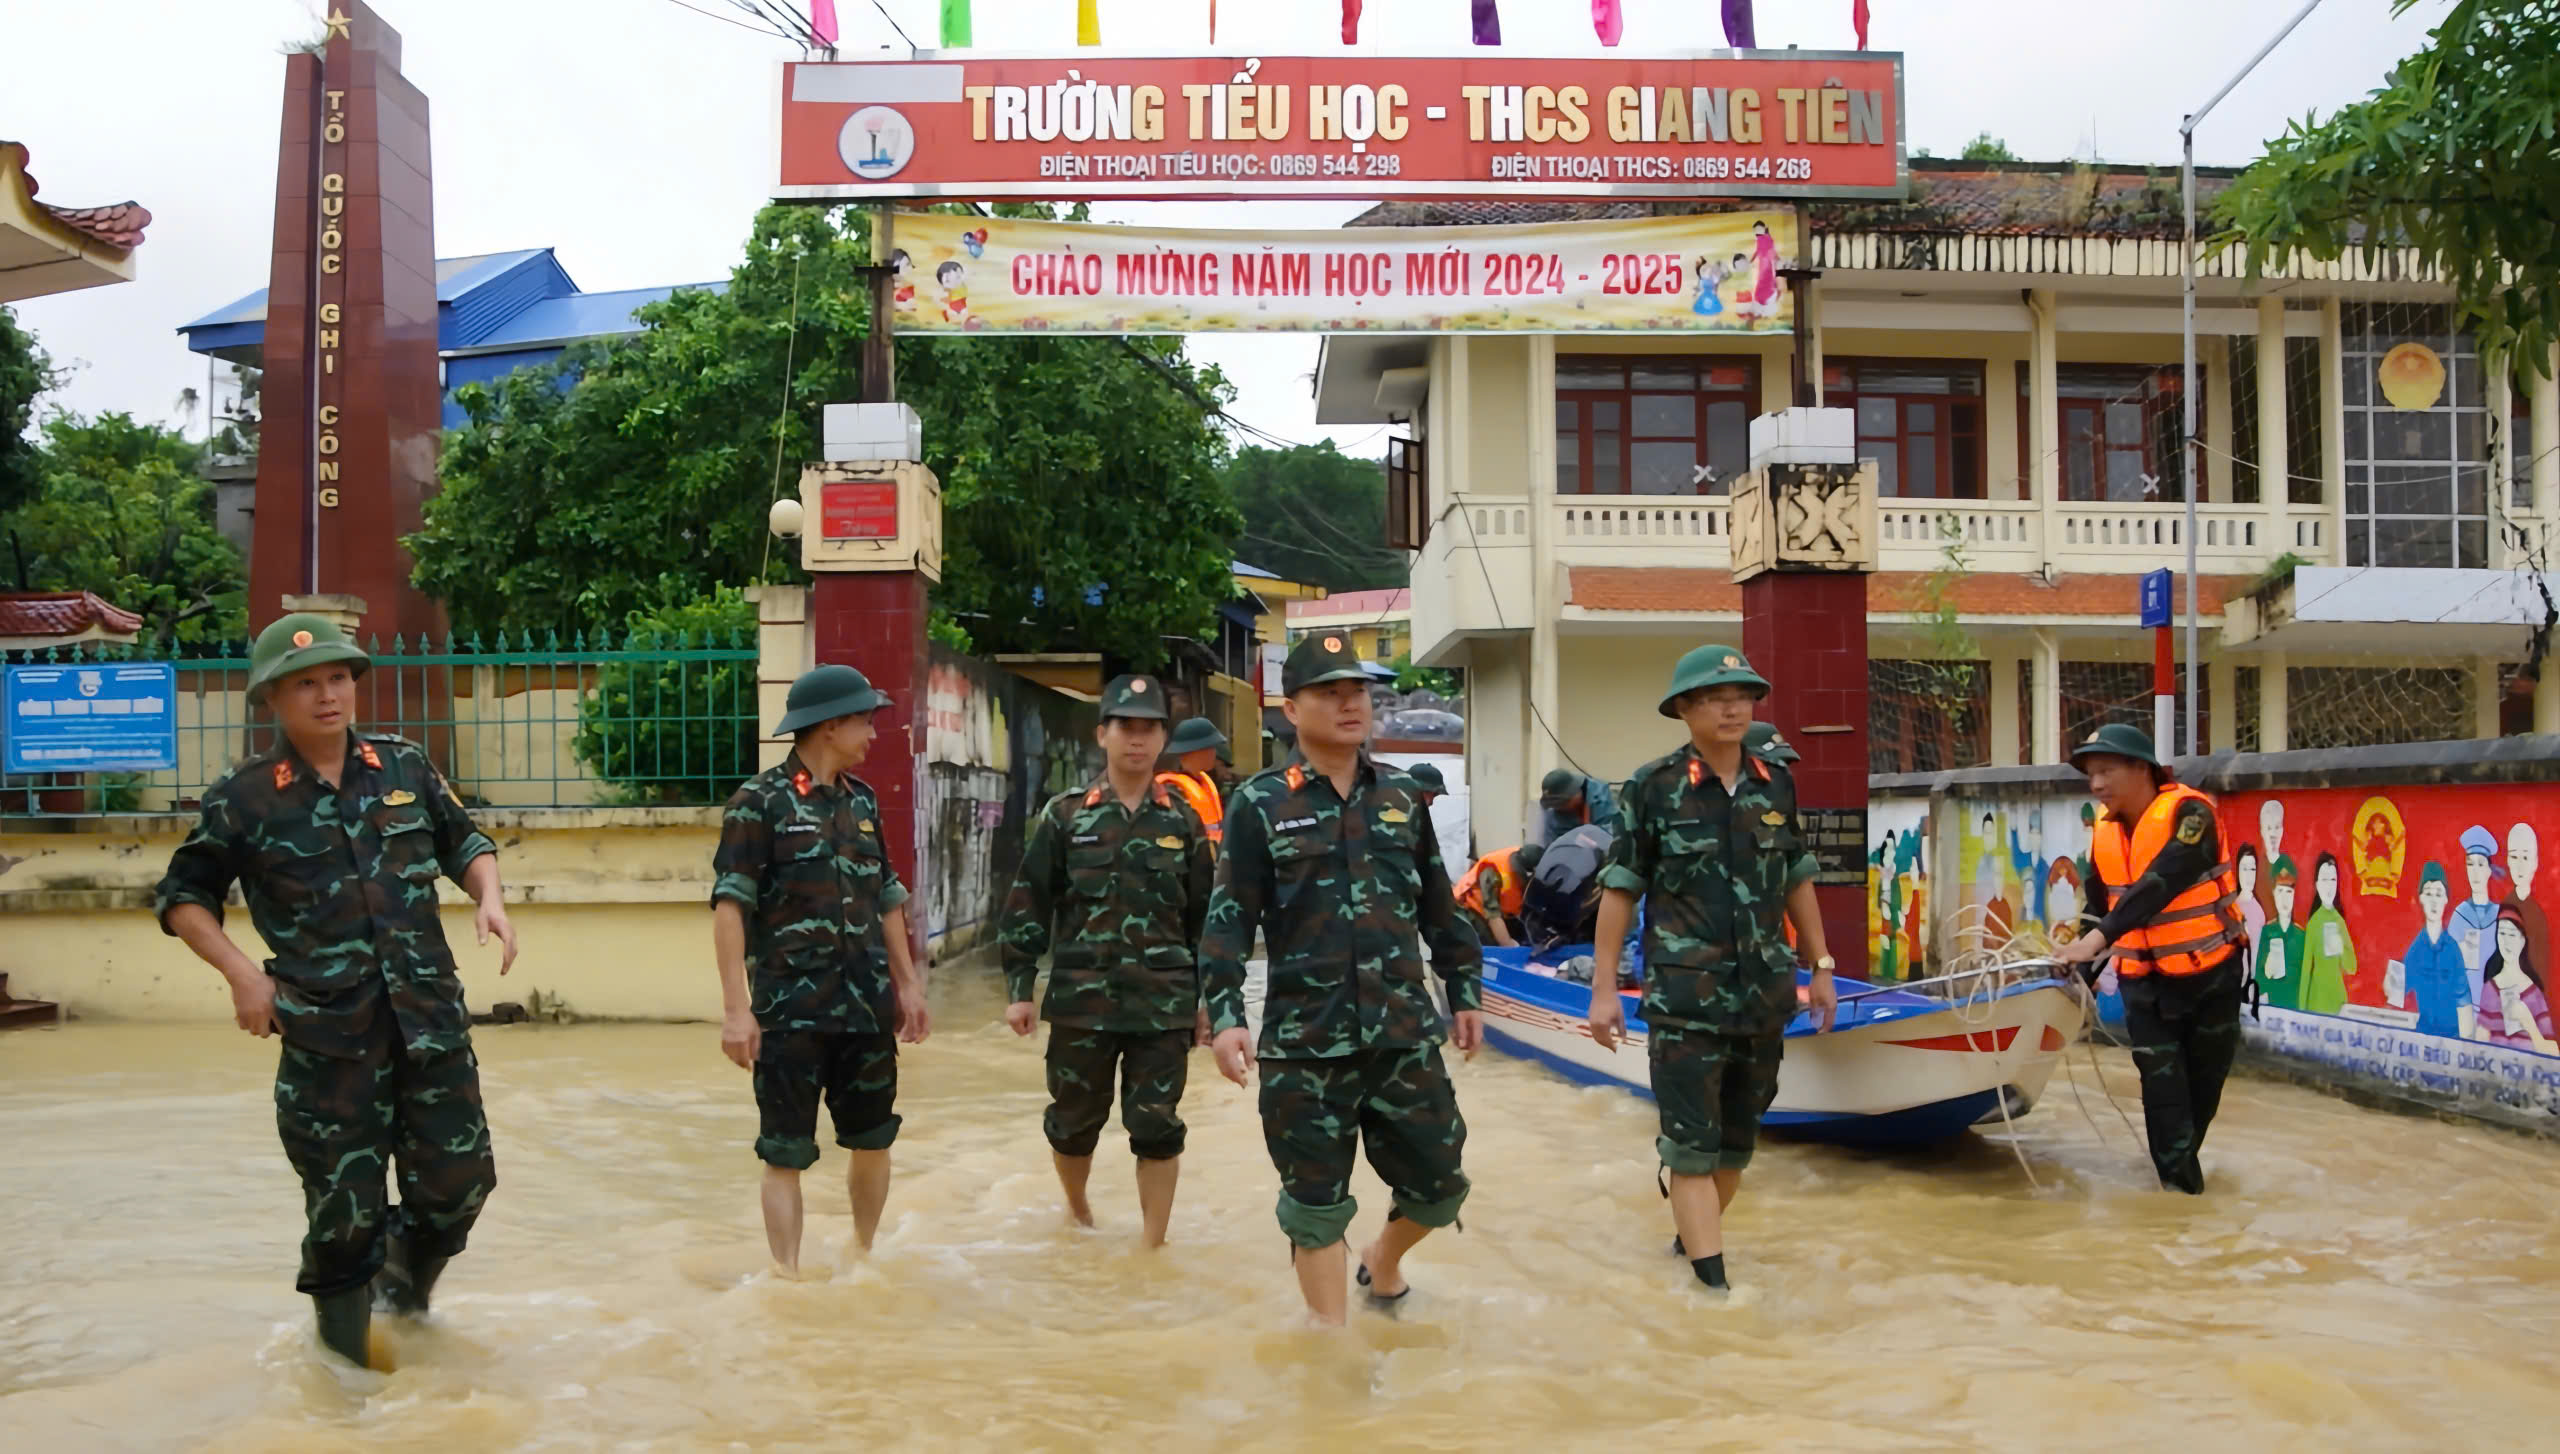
{"points": [[858, 510]]}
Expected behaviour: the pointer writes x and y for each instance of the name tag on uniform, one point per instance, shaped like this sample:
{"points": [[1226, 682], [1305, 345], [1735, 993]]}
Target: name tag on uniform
{"points": [[799, 827], [1086, 838], [399, 798], [1293, 823], [1394, 815]]}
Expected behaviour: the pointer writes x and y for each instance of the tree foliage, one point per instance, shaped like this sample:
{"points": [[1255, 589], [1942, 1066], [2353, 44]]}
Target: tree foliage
{"points": [[2456, 156], [25, 375], [1987, 148], [637, 474], [1314, 514], [122, 509], [669, 729]]}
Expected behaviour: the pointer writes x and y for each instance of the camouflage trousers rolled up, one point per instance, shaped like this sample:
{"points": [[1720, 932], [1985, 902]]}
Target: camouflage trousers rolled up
{"points": [[856, 1074], [1152, 1065], [348, 1122], [1711, 1090], [1397, 1104], [2185, 1031]]}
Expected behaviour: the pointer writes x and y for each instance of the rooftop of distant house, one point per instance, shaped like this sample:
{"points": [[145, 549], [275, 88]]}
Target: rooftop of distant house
{"points": [[46, 248]]}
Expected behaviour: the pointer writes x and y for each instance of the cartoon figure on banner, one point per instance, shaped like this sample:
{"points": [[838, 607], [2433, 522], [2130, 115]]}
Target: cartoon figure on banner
{"points": [[2328, 951], [2514, 1010], [1764, 271], [953, 279], [2279, 962], [2524, 861], [2431, 971], [2475, 919], [1711, 276], [902, 276]]}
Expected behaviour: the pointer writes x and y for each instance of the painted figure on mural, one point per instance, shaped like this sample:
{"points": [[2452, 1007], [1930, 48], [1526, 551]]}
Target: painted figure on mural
{"points": [[2431, 971], [2328, 951], [2253, 914], [1999, 916], [1711, 276], [2270, 846], [2475, 919], [2062, 897], [2524, 861], [2280, 943], [2514, 1008], [1764, 270]]}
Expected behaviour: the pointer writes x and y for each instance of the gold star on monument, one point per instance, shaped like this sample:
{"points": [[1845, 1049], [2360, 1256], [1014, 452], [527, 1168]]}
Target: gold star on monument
{"points": [[338, 23]]}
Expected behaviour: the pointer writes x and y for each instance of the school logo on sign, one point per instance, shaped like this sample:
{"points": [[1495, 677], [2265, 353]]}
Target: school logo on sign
{"points": [[876, 143]]}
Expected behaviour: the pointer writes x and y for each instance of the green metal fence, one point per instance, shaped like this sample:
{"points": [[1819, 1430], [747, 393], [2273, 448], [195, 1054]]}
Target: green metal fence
{"points": [[523, 722]]}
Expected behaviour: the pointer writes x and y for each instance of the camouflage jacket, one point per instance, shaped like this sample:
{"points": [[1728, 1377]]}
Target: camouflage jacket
{"points": [[1714, 870], [803, 859], [341, 884], [1340, 890], [1115, 898]]}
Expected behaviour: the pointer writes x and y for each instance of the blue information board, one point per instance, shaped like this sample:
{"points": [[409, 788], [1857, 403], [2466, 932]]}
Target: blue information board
{"points": [[2155, 597], [119, 716]]}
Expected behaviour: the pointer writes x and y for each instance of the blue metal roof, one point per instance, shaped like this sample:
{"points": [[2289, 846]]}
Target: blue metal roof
{"points": [[455, 276], [562, 320]]}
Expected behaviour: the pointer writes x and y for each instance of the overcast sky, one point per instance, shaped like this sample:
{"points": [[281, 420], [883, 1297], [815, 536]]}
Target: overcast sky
{"points": [[635, 136]]}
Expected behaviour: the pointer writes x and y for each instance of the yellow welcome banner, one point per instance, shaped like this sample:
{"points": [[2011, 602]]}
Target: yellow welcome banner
{"points": [[1704, 274]]}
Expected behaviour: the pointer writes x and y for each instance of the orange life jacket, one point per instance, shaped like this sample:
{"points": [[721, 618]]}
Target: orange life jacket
{"points": [[1497, 867], [1202, 795], [2192, 932]]}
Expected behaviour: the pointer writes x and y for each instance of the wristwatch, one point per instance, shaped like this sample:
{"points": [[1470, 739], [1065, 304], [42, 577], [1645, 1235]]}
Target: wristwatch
{"points": [[1825, 964]]}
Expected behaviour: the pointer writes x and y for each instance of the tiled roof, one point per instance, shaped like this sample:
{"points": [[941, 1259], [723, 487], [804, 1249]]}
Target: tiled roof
{"points": [[2068, 199], [118, 225], [62, 613], [1984, 593], [1366, 604]]}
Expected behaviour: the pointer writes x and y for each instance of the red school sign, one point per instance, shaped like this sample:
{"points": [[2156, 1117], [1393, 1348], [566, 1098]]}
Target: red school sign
{"points": [[1792, 124]]}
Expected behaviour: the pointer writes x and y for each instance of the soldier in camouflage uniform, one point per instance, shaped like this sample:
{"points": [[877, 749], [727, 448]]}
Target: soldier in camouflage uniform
{"points": [[817, 984], [1113, 887], [1331, 855], [336, 840], [1710, 841]]}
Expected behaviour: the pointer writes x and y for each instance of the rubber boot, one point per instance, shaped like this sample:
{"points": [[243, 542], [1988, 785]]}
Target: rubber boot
{"points": [[405, 1282], [345, 1320]]}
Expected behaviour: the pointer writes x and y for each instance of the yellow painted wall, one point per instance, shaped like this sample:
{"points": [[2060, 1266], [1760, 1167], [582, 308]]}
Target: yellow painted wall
{"points": [[1498, 377], [610, 909], [1610, 687]]}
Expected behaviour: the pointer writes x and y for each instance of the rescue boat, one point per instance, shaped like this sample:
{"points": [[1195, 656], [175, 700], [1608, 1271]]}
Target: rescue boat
{"points": [[1898, 1068]]}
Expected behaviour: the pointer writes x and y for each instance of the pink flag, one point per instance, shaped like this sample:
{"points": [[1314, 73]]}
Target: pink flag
{"points": [[822, 19], [1858, 18], [1488, 23], [1350, 22], [1606, 19]]}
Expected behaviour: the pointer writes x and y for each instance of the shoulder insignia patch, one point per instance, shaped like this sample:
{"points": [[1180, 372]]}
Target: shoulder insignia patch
{"points": [[284, 776], [2191, 828], [399, 798], [1093, 799], [800, 782], [372, 759], [1697, 771], [1297, 776]]}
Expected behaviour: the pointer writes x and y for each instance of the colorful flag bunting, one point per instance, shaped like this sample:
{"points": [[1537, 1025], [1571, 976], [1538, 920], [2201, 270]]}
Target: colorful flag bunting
{"points": [[1858, 18], [1350, 22], [955, 24], [1606, 19], [822, 20], [1488, 23], [1088, 22]]}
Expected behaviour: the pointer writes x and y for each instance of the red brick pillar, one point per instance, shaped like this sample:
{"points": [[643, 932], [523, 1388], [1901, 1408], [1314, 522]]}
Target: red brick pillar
{"points": [[874, 622], [1807, 633]]}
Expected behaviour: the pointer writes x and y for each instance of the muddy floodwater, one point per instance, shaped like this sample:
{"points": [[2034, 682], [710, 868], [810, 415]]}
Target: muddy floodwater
{"points": [[2355, 1280]]}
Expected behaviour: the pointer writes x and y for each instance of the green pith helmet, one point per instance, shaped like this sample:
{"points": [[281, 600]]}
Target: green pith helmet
{"points": [[1141, 697], [1429, 776], [1319, 659], [2118, 739], [298, 643], [823, 696], [1763, 739], [1711, 666], [1193, 734]]}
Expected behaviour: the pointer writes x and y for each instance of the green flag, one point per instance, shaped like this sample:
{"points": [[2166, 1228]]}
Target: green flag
{"points": [[955, 24]]}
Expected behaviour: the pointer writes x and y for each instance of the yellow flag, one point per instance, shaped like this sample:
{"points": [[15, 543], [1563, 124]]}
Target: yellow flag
{"points": [[1088, 22]]}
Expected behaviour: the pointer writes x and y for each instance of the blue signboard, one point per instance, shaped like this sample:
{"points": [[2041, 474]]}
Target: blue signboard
{"points": [[119, 716], [2155, 598]]}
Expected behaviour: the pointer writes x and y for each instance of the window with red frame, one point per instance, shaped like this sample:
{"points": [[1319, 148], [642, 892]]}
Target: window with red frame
{"points": [[1920, 420], [1664, 424]]}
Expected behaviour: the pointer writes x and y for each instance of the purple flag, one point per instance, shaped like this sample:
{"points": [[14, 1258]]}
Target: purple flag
{"points": [[1737, 25], [1488, 23]]}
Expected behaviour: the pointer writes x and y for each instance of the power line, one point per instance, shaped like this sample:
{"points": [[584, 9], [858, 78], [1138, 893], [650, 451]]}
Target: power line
{"points": [[894, 25], [725, 20]]}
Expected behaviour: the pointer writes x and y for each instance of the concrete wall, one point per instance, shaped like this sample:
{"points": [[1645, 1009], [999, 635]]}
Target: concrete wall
{"points": [[2369, 976], [608, 903]]}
